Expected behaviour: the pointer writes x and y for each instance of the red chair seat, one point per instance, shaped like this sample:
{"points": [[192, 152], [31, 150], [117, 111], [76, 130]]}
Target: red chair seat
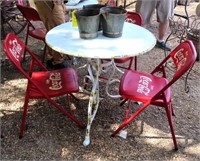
{"points": [[122, 60], [38, 33], [119, 60], [54, 83], [145, 86]]}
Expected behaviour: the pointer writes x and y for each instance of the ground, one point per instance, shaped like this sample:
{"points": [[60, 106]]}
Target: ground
{"points": [[52, 136]]}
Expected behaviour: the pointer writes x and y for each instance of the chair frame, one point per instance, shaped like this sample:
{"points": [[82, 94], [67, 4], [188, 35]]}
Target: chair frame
{"points": [[183, 56], [15, 55], [12, 21], [135, 18], [32, 15]]}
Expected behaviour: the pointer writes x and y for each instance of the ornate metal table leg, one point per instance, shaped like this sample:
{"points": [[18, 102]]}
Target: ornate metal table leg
{"points": [[111, 80], [94, 69], [94, 72]]}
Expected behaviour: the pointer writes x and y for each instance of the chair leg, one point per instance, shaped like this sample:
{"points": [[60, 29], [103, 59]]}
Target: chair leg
{"points": [[26, 42], [74, 97], [72, 107], [24, 117], [86, 83], [169, 116], [44, 54], [127, 110], [136, 59], [68, 57], [69, 115], [123, 101], [127, 121], [171, 106]]}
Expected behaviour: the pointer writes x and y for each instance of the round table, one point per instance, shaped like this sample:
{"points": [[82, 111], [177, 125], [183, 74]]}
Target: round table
{"points": [[134, 41]]}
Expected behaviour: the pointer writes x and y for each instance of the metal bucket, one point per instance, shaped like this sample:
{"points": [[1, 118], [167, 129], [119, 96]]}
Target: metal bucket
{"points": [[88, 23], [95, 7], [113, 21]]}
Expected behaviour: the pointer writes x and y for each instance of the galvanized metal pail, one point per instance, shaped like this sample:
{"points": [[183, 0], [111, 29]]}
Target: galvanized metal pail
{"points": [[95, 7], [88, 23], [113, 21]]}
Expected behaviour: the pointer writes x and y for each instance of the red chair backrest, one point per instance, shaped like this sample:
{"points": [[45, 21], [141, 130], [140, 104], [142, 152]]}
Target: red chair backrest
{"points": [[111, 3], [29, 13], [134, 17], [14, 49], [184, 56]]}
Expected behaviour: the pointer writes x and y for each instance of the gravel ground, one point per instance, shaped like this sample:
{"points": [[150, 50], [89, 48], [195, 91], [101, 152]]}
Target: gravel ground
{"points": [[51, 136]]}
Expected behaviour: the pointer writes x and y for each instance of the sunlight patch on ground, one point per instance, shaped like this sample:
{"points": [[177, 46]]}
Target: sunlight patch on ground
{"points": [[193, 149], [64, 152], [14, 92]]}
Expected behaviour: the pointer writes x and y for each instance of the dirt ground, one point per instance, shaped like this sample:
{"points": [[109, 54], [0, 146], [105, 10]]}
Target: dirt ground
{"points": [[49, 135]]}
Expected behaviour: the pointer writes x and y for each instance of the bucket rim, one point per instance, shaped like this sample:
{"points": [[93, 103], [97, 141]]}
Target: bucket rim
{"points": [[95, 12], [102, 10], [90, 6]]}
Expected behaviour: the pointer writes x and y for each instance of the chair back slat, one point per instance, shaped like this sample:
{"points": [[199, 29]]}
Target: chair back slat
{"points": [[29, 13], [134, 17]]}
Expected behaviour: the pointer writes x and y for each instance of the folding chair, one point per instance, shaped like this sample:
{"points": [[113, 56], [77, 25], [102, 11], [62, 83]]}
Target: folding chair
{"points": [[34, 31], [12, 20], [41, 84], [135, 18], [151, 88]]}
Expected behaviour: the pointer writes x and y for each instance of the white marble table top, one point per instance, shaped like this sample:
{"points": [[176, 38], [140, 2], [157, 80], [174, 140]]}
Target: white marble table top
{"points": [[134, 41], [81, 4]]}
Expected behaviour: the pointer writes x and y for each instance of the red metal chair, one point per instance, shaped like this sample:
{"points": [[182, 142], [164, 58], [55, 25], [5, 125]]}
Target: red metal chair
{"points": [[112, 3], [41, 84], [151, 88], [34, 31], [135, 18]]}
